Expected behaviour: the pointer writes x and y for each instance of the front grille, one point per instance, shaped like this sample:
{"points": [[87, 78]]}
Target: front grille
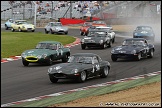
{"points": [[31, 59], [59, 75]]}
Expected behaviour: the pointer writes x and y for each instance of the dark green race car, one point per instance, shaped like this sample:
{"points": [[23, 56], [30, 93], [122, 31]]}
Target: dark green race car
{"points": [[80, 66], [45, 53]]}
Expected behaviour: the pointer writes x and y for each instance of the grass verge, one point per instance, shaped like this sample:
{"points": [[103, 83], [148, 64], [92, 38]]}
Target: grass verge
{"points": [[90, 92], [14, 43]]}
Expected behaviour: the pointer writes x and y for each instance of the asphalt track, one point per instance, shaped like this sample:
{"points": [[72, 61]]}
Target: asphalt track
{"points": [[19, 82]]}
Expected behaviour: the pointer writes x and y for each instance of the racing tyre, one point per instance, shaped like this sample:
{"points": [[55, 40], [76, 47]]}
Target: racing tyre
{"points": [[25, 63], [12, 29], [113, 40], [33, 30], [105, 72], [65, 58], [151, 54], [114, 58], [81, 33], [46, 31], [103, 46], [6, 27], [66, 33], [19, 29], [110, 43], [52, 32], [53, 79], [83, 46], [138, 57], [50, 61], [82, 77]]}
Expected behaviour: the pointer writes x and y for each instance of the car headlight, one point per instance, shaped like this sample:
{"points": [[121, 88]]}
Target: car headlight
{"points": [[135, 33], [101, 41], [133, 52], [82, 40], [112, 51], [50, 70], [23, 27], [44, 56], [75, 71], [39, 56], [23, 55]]}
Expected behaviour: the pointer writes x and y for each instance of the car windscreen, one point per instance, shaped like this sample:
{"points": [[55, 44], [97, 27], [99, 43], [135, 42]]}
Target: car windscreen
{"points": [[131, 42], [144, 28], [80, 59], [96, 34], [46, 46]]}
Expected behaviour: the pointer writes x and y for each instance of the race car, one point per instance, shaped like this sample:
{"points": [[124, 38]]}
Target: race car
{"points": [[8, 24], [109, 31], [22, 25], [46, 52], [84, 28], [133, 48], [144, 32], [80, 66], [96, 38], [56, 27]]}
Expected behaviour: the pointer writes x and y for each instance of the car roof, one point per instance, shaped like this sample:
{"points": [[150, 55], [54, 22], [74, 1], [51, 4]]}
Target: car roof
{"points": [[85, 54], [136, 39], [99, 30], [56, 42], [20, 20], [143, 26]]}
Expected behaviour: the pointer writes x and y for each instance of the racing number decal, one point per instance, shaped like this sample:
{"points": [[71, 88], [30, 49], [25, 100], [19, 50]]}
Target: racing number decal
{"points": [[61, 52], [96, 68], [57, 52]]}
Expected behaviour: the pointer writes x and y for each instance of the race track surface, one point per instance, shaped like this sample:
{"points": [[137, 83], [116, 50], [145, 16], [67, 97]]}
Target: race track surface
{"points": [[19, 82]]}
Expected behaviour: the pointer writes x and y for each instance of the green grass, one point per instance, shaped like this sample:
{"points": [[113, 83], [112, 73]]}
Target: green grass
{"points": [[14, 43]]}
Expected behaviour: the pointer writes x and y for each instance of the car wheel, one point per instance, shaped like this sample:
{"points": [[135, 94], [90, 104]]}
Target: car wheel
{"points": [[53, 79], [151, 54], [19, 29], [110, 43], [52, 32], [83, 46], [82, 77], [25, 63], [138, 57], [6, 27], [114, 57], [81, 33], [103, 46], [65, 58], [105, 72], [46, 31], [12, 29], [33, 30], [113, 40], [66, 32], [50, 61]]}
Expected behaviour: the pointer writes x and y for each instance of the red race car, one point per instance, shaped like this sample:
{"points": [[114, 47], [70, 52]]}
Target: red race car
{"points": [[84, 28], [99, 23]]}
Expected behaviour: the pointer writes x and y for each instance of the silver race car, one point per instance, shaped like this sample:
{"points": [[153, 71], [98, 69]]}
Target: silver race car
{"points": [[56, 27]]}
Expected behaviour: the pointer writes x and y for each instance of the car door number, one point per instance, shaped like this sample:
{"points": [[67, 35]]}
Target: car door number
{"points": [[96, 68]]}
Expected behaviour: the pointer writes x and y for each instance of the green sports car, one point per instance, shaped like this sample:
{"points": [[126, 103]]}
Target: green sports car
{"points": [[45, 53]]}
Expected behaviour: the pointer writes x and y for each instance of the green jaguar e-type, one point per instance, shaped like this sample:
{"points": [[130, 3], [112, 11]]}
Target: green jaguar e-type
{"points": [[46, 52]]}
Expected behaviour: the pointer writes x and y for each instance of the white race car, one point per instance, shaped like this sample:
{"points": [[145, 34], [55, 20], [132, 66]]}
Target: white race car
{"points": [[109, 30]]}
